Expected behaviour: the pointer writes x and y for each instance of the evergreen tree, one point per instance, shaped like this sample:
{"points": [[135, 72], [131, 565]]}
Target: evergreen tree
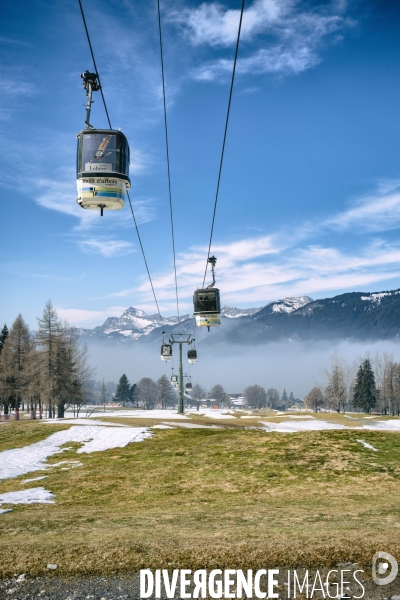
{"points": [[3, 336], [291, 398], [272, 397], [16, 362], [103, 394], [133, 394], [364, 395], [48, 336], [123, 392], [284, 397]]}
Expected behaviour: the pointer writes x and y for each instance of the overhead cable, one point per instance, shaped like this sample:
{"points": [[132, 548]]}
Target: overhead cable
{"points": [[94, 62], [167, 152], [129, 198], [224, 139]]}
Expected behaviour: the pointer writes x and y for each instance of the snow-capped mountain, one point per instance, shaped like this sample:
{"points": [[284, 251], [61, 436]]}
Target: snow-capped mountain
{"points": [[133, 324], [233, 313], [286, 305]]}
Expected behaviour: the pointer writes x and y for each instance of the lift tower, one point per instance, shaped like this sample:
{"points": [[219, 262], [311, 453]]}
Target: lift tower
{"points": [[180, 338]]}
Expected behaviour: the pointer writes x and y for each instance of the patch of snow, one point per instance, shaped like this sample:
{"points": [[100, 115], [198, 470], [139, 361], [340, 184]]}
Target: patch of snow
{"points": [[4, 510], [72, 463], [35, 479], [294, 427], [367, 445], [82, 421], [145, 414], [194, 426], [392, 425], [378, 297], [95, 439], [215, 413], [234, 313], [37, 495], [290, 304], [300, 417], [162, 426]]}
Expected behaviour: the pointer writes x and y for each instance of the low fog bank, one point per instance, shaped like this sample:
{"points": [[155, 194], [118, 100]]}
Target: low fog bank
{"points": [[295, 366]]}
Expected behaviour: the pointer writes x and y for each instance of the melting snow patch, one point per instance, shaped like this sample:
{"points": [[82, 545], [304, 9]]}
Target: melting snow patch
{"points": [[367, 445], [162, 426], [301, 417], [293, 427], [82, 421], [94, 439], [35, 479], [145, 414], [392, 425], [32, 496]]}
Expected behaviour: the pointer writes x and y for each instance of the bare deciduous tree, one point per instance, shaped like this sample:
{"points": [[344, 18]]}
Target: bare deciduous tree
{"points": [[256, 396], [338, 378], [314, 399], [148, 392]]}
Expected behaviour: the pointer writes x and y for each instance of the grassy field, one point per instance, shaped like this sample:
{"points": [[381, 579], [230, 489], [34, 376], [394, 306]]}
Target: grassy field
{"points": [[232, 497]]}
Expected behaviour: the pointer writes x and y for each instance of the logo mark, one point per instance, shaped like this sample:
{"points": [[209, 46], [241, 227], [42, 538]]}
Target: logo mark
{"points": [[381, 562]]}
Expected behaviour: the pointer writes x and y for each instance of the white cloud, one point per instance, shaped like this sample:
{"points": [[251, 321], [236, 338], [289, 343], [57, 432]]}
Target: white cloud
{"points": [[15, 88], [290, 37], [377, 212], [106, 247], [259, 269]]}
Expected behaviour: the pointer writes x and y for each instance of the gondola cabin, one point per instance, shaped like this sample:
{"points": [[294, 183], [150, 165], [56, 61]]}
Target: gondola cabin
{"points": [[207, 307], [166, 352], [174, 378], [192, 356], [188, 386], [102, 169]]}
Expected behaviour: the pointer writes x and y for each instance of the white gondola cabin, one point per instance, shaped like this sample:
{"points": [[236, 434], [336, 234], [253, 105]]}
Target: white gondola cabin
{"points": [[102, 169], [192, 356], [102, 162], [207, 303], [166, 352], [207, 307]]}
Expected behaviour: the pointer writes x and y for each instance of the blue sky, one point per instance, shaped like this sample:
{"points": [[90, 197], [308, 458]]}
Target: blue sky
{"points": [[310, 194]]}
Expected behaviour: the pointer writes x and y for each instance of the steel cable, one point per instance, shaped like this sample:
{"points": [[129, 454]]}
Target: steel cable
{"points": [[94, 62], [224, 139], [167, 152], [129, 198]]}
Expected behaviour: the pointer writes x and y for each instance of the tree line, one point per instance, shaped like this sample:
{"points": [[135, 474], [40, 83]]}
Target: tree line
{"points": [[368, 384], [47, 371], [148, 394]]}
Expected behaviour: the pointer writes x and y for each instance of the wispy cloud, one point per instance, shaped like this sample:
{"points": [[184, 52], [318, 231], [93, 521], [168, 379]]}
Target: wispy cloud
{"points": [[289, 37], [106, 247], [259, 269], [10, 87], [373, 213]]}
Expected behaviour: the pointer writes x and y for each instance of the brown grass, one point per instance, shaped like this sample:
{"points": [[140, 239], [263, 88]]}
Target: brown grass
{"points": [[208, 498]]}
